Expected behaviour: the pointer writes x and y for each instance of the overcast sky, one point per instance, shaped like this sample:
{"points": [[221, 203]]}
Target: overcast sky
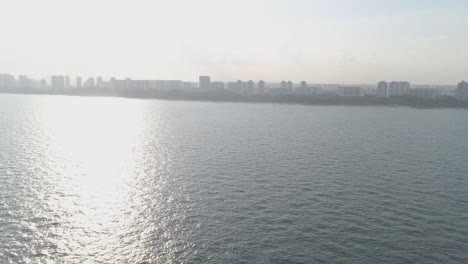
{"points": [[321, 41]]}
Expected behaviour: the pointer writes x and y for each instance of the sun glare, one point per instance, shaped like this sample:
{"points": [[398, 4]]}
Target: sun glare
{"points": [[98, 150]]}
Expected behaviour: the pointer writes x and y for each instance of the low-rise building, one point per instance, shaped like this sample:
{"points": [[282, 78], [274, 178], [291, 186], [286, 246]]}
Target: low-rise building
{"points": [[217, 85], [349, 91], [424, 93]]}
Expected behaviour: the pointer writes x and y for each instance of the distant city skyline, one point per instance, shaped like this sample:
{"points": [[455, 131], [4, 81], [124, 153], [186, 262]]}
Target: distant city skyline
{"points": [[383, 89], [386, 92], [80, 80], [321, 41], [195, 79]]}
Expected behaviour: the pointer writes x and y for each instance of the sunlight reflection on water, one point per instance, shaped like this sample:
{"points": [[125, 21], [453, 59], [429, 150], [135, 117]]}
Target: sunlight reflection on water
{"points": [[108, 180]]}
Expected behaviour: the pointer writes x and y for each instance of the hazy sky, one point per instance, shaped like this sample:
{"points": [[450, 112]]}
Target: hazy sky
{"points": [[321, 41]]}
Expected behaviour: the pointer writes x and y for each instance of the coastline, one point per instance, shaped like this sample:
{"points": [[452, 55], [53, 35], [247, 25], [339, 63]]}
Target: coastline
{"points": [[227, 96]]}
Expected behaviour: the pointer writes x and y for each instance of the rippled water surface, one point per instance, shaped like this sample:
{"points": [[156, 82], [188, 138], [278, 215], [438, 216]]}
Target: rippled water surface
{"points": [[109, 180]]}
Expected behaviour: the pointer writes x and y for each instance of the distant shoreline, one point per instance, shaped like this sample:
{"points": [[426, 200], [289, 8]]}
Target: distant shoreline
{"points": [[227, 96]]}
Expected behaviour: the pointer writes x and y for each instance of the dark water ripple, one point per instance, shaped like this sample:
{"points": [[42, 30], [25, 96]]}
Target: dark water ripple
{"points": [[103, 180]]}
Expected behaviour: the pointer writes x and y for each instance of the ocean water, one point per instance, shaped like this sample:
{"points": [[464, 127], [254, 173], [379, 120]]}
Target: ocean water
{"points": [[112, 180]]}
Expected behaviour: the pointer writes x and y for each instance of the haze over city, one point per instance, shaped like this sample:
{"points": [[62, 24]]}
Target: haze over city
{"points": [[423, 42]]}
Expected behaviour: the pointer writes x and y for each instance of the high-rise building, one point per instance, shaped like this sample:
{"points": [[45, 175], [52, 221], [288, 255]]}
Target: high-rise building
{"points": [[462, 91], [43, 84], [205, 82], [236, 87], [284, 85], [67, 81], [382, 88], [250, 88], [304, 89], [99, 82], [233, 87], [398, 89], [57, 82], [290, 87], [89, 83], [403, 88], [392, 89], [283, 89], [23, 82], [113, 81], [261, 87], [243, 89], [79, 82], [7, 81]]}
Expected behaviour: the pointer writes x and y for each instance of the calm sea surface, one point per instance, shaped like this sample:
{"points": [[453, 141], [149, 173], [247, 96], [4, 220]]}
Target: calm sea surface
{"points": [[111, 180]]}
